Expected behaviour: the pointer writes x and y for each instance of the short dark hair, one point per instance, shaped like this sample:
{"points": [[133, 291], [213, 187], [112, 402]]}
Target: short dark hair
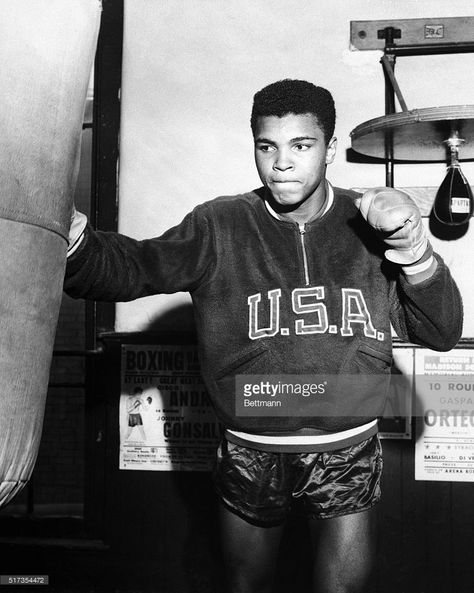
{"points": [[295, 96]]}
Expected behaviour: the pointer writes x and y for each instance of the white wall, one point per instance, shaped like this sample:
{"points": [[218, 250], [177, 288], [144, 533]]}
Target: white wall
{"points": [[190, 70]]}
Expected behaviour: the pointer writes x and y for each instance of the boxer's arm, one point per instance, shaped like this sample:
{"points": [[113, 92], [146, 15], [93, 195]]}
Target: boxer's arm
{"points": [[107, 266], [397, 220], [426, 307]]}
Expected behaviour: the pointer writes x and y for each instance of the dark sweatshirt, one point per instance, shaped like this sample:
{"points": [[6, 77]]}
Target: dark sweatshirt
{"points": [[271, 298]]}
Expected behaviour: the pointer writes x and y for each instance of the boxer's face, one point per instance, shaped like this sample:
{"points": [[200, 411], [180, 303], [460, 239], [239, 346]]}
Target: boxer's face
{"points": [[291, 157]]}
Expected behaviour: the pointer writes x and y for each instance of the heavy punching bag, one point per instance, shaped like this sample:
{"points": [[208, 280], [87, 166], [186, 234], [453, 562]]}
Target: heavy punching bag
{"points": [[47, 49]]}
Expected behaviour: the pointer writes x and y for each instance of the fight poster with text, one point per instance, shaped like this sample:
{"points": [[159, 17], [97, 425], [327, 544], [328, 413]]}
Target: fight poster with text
{"points": [[166, 419], [444, 407]]}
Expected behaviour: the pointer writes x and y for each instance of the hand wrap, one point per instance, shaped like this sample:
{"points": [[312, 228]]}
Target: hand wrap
{"points": [[76, 231]]}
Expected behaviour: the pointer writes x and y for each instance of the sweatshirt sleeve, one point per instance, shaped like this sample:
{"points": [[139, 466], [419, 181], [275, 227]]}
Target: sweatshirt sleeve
{"points": [[429, 313], [113, 267]]}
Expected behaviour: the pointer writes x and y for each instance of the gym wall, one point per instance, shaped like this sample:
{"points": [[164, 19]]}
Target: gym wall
{"points": [[190, 70]]}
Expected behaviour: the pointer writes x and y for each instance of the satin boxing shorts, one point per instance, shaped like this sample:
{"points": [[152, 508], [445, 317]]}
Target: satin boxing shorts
{"points": [[262, 487]]}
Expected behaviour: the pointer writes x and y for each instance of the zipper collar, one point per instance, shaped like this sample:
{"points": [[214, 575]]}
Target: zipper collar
{"points": [[329, 202]]}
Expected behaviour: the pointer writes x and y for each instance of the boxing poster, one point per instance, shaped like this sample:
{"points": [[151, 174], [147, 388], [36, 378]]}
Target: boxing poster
{"points": [[444, 407], [166, 421]]}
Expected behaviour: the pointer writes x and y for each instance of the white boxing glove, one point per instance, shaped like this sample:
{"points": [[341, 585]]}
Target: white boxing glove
{"points": [[76, 231], [397, 218]]}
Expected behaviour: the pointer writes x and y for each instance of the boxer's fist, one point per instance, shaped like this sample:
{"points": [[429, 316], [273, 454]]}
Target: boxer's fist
{"points": [[76, 231], [397, 218]]}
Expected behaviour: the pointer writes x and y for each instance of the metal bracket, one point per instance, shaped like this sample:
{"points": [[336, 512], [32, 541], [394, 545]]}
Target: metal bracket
{"points": [[432, 34], [388, 69], [389, 34]]}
